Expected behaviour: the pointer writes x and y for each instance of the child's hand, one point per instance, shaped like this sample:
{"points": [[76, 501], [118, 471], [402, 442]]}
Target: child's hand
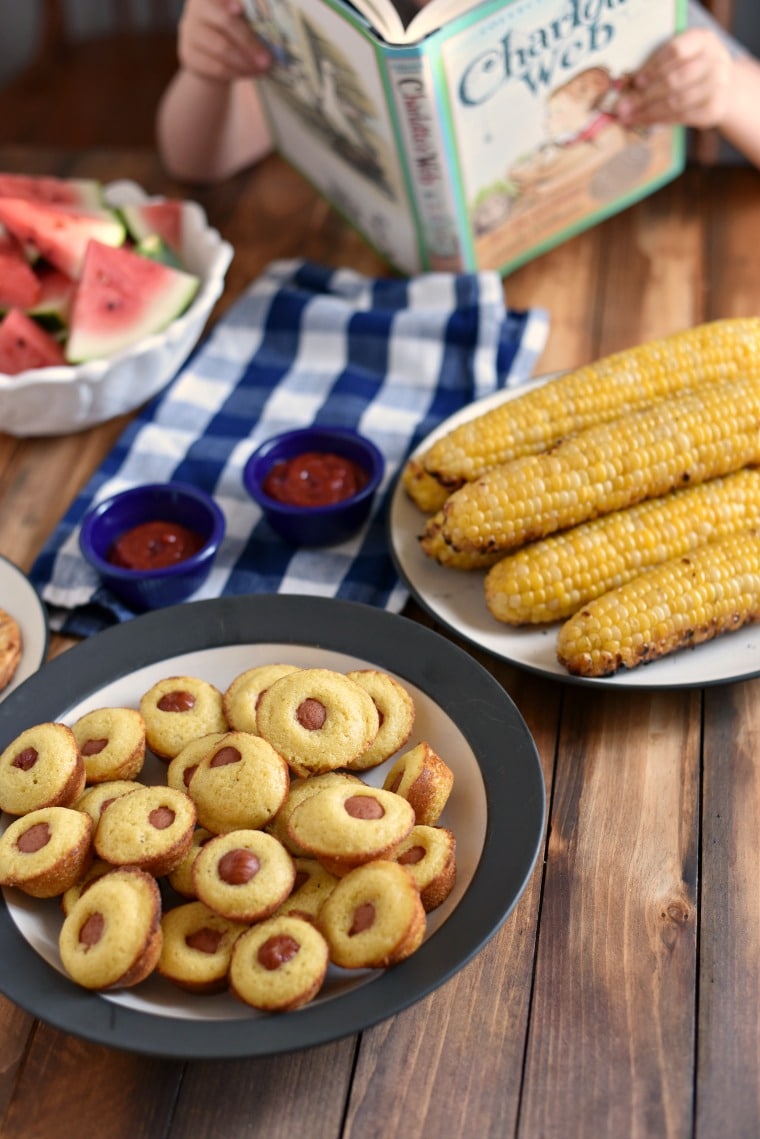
{"points": [[216, 42], [686, 81]]}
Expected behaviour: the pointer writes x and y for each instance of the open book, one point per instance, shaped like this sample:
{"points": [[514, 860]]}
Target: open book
{"points": [[466, 134]]}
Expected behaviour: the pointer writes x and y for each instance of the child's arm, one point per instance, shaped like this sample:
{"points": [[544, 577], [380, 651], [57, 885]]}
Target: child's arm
{"points": [[210, 123], [695, 80]]}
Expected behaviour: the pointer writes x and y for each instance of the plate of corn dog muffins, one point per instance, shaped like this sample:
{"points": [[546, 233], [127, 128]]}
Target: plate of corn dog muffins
{"points": [[600, 525]]}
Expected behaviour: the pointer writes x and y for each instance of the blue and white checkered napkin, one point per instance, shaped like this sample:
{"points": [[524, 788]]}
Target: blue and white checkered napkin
{"points": [[304, 344]]}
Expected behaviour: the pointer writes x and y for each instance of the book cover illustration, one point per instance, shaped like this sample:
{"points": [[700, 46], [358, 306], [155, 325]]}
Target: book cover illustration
{"points": [[328, 111], [531, 89]]}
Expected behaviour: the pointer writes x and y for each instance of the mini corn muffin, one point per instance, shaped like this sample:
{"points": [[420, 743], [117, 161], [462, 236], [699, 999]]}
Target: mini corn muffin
{"points": [[312, 886], [241, 783], [396, 710], [45, 851], [429, 855], [182, 768], [299, 790], [181, 878], [177, 710], [111, 742], [152, 828], [111, 938], [94, 800], [422, 777], [243, 875], [96, 869], [42, 767], [197, 945], [242, 696], [279, 964], [374, 917], [347, 824], [317, 719]]}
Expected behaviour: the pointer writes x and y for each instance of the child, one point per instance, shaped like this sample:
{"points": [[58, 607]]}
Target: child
{"points": [[210, 122]]}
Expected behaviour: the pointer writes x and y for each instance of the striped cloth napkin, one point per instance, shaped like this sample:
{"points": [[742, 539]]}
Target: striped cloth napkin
{"points": [[304, 344]]}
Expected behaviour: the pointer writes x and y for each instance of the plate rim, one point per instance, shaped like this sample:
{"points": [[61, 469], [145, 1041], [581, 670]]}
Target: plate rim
{"points": [[638, 679], [482, 710], [34, 611]]}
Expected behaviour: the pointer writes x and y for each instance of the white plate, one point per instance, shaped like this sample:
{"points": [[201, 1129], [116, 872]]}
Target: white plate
{"points": [[457, 600], [19, 598]]}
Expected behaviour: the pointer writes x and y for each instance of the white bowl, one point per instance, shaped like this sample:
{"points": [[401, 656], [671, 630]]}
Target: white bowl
{"points": [[65, 398]]}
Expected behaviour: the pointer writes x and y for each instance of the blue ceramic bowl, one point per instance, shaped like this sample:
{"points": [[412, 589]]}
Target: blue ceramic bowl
{"points": [[165, 502], [315, 525]]}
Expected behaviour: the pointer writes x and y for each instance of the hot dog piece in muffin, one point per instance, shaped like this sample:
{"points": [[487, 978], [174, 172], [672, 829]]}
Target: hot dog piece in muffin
{"points": [[429, 855], [42, 767], [279, 964], [152, 828], [317, 719], [241, 698], [243, 875], [182, 768], [177, 710], [111, 939], [299, 790], [45, 851], [181, 878], [348, 824], [241, 783], [396, 712], [374, 917], [313, 885], [111, 742], [422, 777], [197, 945], [94, 800]]}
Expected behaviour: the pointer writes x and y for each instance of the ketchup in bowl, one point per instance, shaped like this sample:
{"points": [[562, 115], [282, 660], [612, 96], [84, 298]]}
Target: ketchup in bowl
{"points": [[314, 478], [154, 545]]}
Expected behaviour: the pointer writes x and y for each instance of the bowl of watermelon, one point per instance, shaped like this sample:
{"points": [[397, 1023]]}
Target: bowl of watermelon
{"points": [[104, 292]]}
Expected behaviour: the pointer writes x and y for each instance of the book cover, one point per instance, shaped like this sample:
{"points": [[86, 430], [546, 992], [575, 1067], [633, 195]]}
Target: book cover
{"points": [[480, 146]]}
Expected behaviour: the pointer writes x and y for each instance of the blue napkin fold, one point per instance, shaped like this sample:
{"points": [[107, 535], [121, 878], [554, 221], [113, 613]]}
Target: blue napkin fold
{"points": [[304, 344]]}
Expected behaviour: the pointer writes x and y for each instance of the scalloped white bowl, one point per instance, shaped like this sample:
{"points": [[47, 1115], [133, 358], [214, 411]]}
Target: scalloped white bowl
{"points": [[62, 399]]}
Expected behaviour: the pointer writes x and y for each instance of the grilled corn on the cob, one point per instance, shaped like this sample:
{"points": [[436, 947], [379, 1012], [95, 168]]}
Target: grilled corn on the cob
{"points": [[675, 442], [684, 601], [551, 579], [537, 419]]}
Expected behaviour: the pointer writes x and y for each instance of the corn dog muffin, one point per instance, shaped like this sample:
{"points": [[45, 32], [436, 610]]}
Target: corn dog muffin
{"points": [[111, 939], [313, 884], [317, 719], [45, 851], [429, 855], [422, 777], [299, 790], [374, 917], [396, 711], [241, 698], [111, 742], [152, 828], [181, 878], [241, 783], [196, 949], [182, 768], [243, 875], [279, 964], [347, 824], [94, 800], [42, 767], [177, 710]]}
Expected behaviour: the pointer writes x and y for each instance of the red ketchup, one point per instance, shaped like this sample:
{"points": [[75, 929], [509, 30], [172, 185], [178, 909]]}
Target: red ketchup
{"points": [[314, 478], [154, 545]]}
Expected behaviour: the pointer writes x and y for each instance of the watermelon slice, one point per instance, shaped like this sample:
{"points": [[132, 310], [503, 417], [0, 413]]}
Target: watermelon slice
{"points": [[53, 305], [60, 234], [121, 298], [19, 286], [24, 345], [162, 219], [83, 193], [157, 249]]}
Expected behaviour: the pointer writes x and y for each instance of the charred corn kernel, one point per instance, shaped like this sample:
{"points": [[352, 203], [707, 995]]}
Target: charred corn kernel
{"points": [[683, 440], [537, 419], [551, 579], [422, 488], [684, 601], [435, 547]]}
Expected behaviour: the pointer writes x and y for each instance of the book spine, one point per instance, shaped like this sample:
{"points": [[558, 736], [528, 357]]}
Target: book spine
{"points": [[419, 121]]}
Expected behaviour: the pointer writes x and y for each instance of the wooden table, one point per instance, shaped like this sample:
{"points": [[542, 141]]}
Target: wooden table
{"points": [[622, 996]]}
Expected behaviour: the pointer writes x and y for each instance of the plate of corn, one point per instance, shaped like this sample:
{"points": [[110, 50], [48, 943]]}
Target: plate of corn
{"points": [[601, 525]]}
